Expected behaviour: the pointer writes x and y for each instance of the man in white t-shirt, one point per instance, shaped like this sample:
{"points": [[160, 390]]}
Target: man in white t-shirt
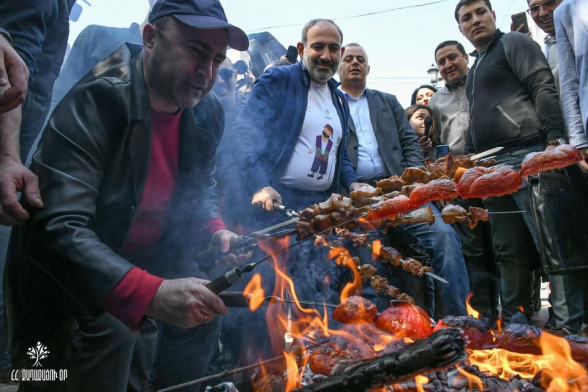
{"points": [[291, 132]]}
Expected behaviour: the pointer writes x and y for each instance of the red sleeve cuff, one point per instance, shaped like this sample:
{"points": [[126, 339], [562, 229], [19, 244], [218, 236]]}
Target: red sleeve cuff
{"points": [[131, 297], [214, 225]]}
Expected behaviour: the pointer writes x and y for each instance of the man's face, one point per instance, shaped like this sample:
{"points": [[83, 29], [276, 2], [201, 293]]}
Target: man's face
{"points": [[226, 81], [477, 23], [453, 65], [322, 53], [354, 65], [182, 62], [542, 13]]}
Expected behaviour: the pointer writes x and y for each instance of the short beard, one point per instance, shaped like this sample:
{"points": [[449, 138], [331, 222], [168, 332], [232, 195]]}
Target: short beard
{"points": [[318, 74]]}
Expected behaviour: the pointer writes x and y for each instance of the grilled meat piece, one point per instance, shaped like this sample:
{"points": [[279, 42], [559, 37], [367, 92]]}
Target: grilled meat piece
{"points": [[393, 183], [414, 267], [356, 310], [406, 298], [482, 182], [407, 189], [413, 175], [362, 197], [519, 338], [452, 213], [389, 255], [476, 215], [558, 158], [405, 320], [367, 271], [323, 359], [303, 230], [377, 282], [356, 238], [442, 189], [389, 208], [422, 215]]}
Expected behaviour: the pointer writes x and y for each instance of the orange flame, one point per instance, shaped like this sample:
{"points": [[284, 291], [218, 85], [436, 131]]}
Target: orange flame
{"points": [[474, 381], [376, 247], [559, 371], [255, 292], [471, 311], [420, 381]]}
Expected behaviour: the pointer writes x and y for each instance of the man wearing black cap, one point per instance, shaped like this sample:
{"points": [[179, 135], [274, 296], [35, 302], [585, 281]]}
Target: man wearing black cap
{"points": [[125, 167]]}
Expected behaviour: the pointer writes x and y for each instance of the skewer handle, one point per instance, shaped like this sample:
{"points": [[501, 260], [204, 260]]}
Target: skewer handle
{"points": [[225, 281], [234, 299]]}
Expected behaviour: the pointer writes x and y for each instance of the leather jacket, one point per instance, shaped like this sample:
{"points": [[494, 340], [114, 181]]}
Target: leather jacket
{"points": [[92, 165]]}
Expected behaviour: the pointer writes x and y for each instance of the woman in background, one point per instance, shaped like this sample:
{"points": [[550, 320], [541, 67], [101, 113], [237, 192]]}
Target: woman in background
{"points": [[422, 95], [416, 115]]}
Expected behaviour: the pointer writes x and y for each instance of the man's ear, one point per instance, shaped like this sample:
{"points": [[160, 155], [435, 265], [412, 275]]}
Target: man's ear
{"points": [[368, 70], [467, 58], [460, 30], [149, 36], [494, 15], [300, 47]]}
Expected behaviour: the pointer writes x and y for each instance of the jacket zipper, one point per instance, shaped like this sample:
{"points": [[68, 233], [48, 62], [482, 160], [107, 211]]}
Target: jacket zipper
{"points": [[505, 114], [472, 133]]}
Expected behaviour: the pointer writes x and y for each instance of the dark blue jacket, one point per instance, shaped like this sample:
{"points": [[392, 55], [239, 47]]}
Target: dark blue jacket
{"points": [[39, 31], [269, 125]]}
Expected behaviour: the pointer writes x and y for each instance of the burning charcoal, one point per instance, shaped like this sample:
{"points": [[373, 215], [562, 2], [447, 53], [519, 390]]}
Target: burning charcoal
{"points": [[476, 331], [323, 359], [321, 240], [356, 310], [367, 271], [405, 320]]}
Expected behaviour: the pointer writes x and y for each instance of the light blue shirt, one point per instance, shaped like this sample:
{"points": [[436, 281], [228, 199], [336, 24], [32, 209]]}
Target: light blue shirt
{"points": [[370, 164]]}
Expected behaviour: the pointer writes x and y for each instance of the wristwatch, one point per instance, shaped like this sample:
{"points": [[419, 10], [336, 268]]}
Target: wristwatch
{"points": [[5, 32], [556, 142]]}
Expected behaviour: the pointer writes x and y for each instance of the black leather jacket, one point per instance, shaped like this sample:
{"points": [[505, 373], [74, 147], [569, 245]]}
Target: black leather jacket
{"points": [[92, 165]]}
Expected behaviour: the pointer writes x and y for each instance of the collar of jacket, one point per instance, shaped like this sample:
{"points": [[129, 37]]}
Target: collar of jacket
{"points": [[332, 83], [141, 105], [452, 87], [497, 34]]}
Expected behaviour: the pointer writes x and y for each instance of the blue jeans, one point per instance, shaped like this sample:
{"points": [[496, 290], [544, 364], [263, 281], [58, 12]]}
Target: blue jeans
{"points": [[445, 245]]}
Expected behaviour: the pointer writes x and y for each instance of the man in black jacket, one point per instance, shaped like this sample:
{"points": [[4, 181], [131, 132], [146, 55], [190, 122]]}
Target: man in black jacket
{"points": [[381, 143], [125, 166], [513, 104]]}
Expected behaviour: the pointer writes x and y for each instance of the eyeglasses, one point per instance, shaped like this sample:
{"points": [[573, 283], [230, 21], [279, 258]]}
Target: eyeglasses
{"points": [[548, 5], [226, 74]]}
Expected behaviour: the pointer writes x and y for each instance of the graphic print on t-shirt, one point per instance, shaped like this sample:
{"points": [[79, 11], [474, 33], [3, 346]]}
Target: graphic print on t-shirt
{"points": [[321, 153], [314, 159]]}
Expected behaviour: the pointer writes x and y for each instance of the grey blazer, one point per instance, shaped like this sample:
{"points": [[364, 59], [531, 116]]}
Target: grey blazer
{"points": [[397, 141]]}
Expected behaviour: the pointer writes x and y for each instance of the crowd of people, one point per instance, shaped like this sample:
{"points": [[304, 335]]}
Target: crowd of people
{"points": [[155, 147]]}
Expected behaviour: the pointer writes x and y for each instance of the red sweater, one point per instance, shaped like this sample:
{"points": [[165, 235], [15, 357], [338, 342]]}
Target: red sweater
{"points": [[129, 300]]}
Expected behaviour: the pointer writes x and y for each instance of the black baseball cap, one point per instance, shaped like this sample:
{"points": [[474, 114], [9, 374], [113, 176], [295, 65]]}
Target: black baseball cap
{"points": [[202, 14]]}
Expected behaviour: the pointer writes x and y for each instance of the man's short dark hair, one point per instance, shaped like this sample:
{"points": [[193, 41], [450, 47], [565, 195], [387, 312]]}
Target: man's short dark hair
{"points": [[450, 43], [463, 3], [314, 22]]}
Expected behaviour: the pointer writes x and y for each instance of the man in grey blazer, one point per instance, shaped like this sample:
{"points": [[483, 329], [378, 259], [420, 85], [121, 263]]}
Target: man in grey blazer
{"points": [[382, 143]]}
